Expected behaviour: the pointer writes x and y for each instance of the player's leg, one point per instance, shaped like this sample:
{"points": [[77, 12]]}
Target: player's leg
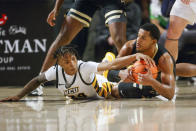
{"points": [[181, 15], [185, 69], [118, 34], [116, 21], [176, 27], [132, 90], [126, 90], [102, 86]]}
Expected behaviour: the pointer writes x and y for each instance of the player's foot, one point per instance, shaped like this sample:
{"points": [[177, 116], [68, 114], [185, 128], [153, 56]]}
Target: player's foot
{"points": [[109, 56], [37, 92]]}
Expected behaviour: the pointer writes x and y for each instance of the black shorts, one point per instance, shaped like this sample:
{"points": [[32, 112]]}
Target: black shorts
{"points": [[133, 90], [83, 11]]}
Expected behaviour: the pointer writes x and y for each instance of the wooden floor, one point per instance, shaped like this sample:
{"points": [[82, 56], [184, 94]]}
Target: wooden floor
{"points": [[52, 112]]}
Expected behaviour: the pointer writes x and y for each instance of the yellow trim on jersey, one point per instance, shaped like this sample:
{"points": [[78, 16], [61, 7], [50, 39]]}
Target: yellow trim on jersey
{"points": [[81, 20], [105, 74], [112, 12], [94, 82], [104, 90], [81, 14], [155, 51], [112, 17], [129, 66], [109, 86], [100, 92]]}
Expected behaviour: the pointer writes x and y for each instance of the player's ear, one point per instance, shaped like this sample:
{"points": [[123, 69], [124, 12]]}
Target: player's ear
{"points": [[154, 41]]}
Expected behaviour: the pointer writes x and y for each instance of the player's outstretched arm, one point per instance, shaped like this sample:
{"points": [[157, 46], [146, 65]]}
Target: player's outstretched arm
{"points": [[124, 61], [117, 63], [30, 86]]}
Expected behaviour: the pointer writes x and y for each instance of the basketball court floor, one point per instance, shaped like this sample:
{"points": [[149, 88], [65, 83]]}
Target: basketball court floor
{"points": [[53, 112]]}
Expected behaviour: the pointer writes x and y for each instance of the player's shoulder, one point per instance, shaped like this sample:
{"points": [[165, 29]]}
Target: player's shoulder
{"points": [[165, 59], [54, 67], [130, 43], [86, 64]]}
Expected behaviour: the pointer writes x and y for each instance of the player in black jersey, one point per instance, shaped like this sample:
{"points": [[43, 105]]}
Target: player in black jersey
{"points": [[146, 45]]}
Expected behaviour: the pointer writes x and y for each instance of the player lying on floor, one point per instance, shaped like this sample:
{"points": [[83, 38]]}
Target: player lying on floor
{"points": [[146, 43], [76, 78]]}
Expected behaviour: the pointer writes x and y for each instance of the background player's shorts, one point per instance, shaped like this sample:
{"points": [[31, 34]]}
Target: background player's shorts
{"points": [[83, 11], [133, 90], [187, 12]]}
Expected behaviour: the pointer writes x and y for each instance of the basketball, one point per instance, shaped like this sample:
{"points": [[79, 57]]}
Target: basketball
{"points": [[142, 68]]}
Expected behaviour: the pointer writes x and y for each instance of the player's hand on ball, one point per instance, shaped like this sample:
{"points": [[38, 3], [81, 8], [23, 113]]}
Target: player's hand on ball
{"points": [[149, 61], [140, 67], [145, 79], [126, 75], [11, 98]]}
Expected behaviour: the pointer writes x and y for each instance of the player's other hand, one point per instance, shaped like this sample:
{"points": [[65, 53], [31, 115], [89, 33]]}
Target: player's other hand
{"points": [[126, 75], [149, 61], [52, 17], [145, 79], [11, 98]]}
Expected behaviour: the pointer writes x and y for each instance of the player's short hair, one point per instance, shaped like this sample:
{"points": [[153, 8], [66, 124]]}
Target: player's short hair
{"points": [[153, 29], [61, 51]]}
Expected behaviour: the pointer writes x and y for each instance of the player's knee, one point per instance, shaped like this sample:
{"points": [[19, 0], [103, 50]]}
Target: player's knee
{"points": [[173, 34], [115, 92], [173, 31], [119, 42]]}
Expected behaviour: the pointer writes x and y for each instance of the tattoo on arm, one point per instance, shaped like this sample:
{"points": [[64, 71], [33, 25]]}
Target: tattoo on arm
{"points": [[33, 84]]}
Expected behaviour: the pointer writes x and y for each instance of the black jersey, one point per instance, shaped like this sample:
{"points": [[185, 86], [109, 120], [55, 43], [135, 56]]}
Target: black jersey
{"points": [[133, 90]]}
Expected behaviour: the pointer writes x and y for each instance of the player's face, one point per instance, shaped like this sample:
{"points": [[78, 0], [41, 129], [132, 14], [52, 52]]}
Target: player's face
{"points": [[69, 63], [144, 41]]}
